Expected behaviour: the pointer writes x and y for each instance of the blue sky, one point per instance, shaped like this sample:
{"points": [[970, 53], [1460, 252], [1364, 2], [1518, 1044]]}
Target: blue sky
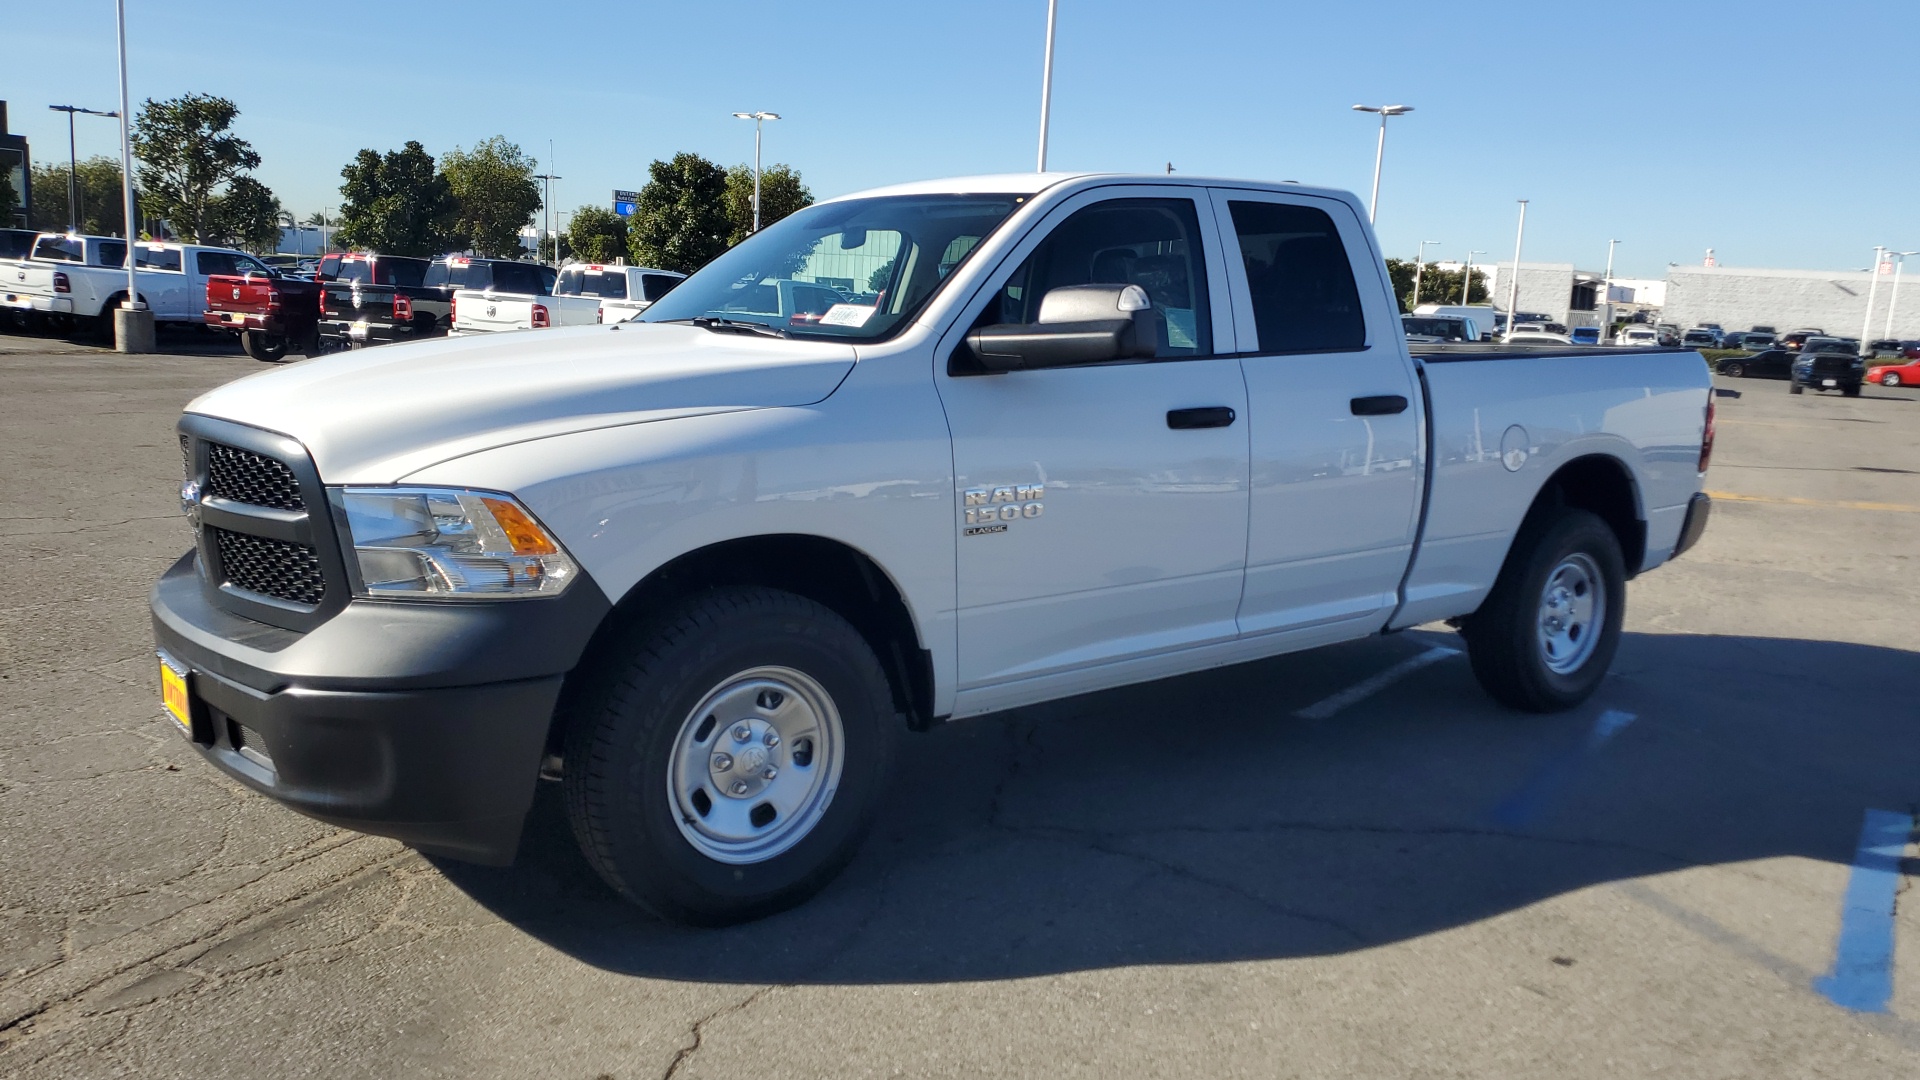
{"points": [[1750, 126]]}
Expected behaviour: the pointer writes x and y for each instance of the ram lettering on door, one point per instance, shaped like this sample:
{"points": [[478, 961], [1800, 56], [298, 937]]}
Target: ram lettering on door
{"points": [[989, 510]]}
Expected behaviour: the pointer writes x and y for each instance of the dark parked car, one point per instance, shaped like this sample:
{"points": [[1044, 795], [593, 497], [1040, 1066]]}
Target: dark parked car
{"points": [[1770, 364], [1700, 339], [1793, 339], [1828, 363], [1887, 347], [368, 299], [1756, 340]]}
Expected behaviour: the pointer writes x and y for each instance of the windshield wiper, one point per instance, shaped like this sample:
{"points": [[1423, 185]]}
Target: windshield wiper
{"points": [[738, 326]]}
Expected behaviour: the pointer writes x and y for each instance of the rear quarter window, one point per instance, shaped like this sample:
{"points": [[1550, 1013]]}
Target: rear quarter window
{"points": [[655, 286]]}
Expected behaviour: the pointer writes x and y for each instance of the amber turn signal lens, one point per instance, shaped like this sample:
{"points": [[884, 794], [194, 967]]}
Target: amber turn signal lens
{"points": [[526, 537]]}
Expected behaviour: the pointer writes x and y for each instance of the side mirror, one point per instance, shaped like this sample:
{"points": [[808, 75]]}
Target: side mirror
{"points": [[1079, 324]]}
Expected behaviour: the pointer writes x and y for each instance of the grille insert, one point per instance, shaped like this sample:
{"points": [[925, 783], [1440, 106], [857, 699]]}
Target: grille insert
{"points": [[244, 476], [272, 567]]}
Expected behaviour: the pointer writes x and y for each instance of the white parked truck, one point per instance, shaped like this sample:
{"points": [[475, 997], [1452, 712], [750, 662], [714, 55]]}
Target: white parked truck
{"points": [[1068, 432], [84, 278], [520, 297], [622, 291]]}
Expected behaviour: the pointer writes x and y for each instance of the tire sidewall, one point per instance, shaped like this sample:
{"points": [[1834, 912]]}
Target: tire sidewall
{"points": [[653, 860], [1576, 531]]}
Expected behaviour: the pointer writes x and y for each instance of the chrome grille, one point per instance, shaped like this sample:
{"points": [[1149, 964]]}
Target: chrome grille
{"points": [[271, 567], [244, 476]]}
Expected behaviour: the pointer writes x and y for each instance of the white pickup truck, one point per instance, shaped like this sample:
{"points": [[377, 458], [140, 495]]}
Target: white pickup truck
{"points": [[84, 278], [520, 297], [1074, 432], [623, 291]]}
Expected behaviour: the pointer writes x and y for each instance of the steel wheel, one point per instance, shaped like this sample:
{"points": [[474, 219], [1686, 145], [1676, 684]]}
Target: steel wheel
{"points": [[755, 765], [1573, 606], [1891, 378]]}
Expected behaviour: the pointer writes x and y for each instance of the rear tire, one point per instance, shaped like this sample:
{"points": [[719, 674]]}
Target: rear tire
{"points": [[264, 347], [654, 790], [1734, 371], [1546, 635], [1891, 378], [1851, 391], [1796, 388]]}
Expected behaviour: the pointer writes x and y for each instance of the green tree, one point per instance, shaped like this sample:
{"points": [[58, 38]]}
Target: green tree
{"points": [[680, 222], [187, 153], [544, 249], [1436, 286], [247, 216], [493, 186], [597, 234], [9, 198], [98, 181], [397, 203], [781, 193]]}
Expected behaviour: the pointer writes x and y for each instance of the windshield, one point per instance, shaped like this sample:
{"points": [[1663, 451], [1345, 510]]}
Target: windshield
{"points": [[854, 270]]}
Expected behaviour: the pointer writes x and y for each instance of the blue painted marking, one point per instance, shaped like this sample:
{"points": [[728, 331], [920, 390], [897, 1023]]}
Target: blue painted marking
{"points": [[1533, 796], [1862, 975]]}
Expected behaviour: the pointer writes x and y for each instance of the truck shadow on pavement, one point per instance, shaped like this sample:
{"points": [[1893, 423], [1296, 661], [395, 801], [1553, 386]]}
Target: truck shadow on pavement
{"points": [[1199, 820]]}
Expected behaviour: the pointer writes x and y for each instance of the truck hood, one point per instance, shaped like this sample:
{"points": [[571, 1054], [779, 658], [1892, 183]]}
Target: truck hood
{"points": [[373, 416]]}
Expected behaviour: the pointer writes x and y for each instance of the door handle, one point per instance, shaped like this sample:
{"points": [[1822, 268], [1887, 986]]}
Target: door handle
{"points": [[1208, 416], [1379, 405]]}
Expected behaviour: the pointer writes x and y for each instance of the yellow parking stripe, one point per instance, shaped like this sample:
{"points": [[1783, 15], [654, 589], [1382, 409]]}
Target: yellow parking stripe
{"points": [[1895, 508]]}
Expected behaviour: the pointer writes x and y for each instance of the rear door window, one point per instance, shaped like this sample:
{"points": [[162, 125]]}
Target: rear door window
{"points": [[1299, 279], [114, 253], [655, 286], [407, 273], [209, 263], [521, 278]]}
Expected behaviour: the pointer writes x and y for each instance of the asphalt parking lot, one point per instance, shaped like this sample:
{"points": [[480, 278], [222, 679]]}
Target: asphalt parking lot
{"points": [[1261, 871]]}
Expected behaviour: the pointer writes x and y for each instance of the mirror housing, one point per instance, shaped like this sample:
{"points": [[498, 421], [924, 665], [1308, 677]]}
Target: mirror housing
{"points": [[1079, 324]]}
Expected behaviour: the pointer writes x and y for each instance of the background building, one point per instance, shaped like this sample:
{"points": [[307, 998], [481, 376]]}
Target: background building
{"points": [[17, 163], [1832, 300], [1557, 290]]}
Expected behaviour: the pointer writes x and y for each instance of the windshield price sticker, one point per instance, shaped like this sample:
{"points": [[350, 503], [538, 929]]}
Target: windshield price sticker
{"points": [[846, 315]]}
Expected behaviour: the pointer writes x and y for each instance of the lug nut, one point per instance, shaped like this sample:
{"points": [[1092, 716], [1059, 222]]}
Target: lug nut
{"points": [[739, 787], [772, 739], [770, 773], [722, 762], [770, 699], [742, 733]]}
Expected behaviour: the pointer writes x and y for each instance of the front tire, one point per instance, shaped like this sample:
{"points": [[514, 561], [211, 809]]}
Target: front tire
{"points": [[1891, 378], [725, 762], [1546, 635]]}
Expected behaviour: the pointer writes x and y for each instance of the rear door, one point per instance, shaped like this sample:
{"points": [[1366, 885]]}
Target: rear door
{"points": [[1100, 521], [1334, 414]]}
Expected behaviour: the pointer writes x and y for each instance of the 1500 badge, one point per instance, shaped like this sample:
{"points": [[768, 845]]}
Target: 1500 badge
{"points": [[988, 510]]}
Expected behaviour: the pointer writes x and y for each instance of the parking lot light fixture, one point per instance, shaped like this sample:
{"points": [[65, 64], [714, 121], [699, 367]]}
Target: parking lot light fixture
{"points": [[758, 118], [1893, 301], [1873, 291], [1466, 287], [1380, 151], [73, 160], [1418, 256]]}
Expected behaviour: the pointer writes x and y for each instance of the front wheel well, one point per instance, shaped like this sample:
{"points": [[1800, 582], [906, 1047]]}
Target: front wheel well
{"points": [[825, 571], [1601, 485]]}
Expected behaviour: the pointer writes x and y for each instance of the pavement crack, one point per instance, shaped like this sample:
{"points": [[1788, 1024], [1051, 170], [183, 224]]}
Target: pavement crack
{"points": [[699, 1029]]}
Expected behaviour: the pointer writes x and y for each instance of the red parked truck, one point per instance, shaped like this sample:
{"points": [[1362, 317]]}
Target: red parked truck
{"points": [[272, 313]]}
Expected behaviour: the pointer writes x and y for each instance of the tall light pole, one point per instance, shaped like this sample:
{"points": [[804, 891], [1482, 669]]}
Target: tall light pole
{"points": [[323, 229], [1606, 301], [73, 162], [1873, 291], [133, 324], [1419, 255], [546, 216], [1046, 85], [758, 118], [1513, 287], [1894, 300], [1466, 287], [1380, 152]]}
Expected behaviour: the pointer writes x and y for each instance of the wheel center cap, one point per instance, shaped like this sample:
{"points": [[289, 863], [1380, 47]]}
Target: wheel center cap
{"points": [[751, 759]]}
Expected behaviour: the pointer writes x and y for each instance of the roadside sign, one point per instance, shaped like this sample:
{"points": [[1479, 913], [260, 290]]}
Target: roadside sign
{"points": [[623, 202]]}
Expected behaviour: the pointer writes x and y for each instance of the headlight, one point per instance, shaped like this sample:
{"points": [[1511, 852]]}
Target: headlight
{"points": [[450, 544]]}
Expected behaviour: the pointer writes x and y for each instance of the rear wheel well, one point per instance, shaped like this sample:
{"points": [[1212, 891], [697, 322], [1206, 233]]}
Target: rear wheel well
{"points": [[1601, 485], [825, 571]]}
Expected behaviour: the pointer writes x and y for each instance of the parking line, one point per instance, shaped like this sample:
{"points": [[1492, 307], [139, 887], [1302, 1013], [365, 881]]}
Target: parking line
{"points": [[1366, 688], [1532, 797], [1784, 500], [1862, 975]]}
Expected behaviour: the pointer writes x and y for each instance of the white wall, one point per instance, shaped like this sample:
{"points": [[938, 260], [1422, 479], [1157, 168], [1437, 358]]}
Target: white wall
{"points": [[1834, 301]]}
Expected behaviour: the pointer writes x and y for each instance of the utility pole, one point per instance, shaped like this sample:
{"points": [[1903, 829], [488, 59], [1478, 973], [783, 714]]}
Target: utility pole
{"points": [[133, 323], [1513, 287], [1046, 83], [1873, 291], [1606, 327], [73, 165], [1380, 152], [757, 117], [1466, 287], [1418, 256], [546, 213]]}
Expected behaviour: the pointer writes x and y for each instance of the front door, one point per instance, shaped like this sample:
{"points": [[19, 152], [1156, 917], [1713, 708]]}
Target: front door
{"points": [[1096, 528], [1337, 461]]}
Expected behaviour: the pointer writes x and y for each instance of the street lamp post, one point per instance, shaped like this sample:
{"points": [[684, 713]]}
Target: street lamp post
{"points": [[1606, 301], [1873, 291], [73, 163], [1046, 87], [1466, 287], [757, 118], [1513, 287], [546, 216], [1380, 152], [1418, 256], [133, 323], [1893, 301]]}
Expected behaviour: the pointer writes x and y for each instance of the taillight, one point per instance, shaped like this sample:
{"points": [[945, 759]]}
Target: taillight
{"points": [[402, 308], [323, 298], [273, 298], [1706, 438], [599, 315], [540, 318], [60, 282], [453, 309]]}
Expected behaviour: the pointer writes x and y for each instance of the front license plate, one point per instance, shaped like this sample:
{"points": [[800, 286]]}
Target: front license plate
{"points": [[1829, 382], [173, 695], [358, 331]]}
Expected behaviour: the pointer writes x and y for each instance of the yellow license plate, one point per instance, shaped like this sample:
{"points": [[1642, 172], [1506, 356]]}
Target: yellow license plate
{"points": [[173, 694]]}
